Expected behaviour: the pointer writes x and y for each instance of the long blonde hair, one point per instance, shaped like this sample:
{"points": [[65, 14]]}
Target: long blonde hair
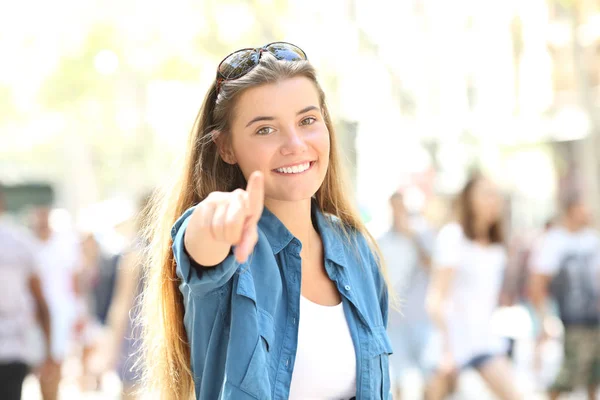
{"points": [[166, 352]]}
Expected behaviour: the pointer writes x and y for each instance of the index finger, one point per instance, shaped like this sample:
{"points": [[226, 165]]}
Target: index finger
{"points": [[256, 196]]}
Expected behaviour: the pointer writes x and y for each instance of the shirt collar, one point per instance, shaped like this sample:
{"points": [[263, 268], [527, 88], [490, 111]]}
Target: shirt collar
{"points": [[332, 236], [275, 231], [329, 228]]}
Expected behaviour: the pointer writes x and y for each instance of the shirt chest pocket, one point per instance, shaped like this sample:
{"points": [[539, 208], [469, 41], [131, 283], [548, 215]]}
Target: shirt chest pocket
{"points": [[381, 349], [255, 381]]}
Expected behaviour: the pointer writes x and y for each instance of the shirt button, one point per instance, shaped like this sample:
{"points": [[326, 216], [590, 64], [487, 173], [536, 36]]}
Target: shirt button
{"points": [[347, 287], [294, 321], [287, 362]]}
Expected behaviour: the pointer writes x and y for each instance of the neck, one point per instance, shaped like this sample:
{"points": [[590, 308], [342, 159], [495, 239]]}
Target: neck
{"points": [[43, 234], [482, 230], [296, 216], [571, 226], [398, 225]]}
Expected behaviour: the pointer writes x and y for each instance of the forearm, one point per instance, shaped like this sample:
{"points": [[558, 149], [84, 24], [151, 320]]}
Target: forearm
{"points": [[542, 311], [538, 295], [126, 289], [43, 315], [117, 322], [200, 245], [438, 317], [424, 257]]}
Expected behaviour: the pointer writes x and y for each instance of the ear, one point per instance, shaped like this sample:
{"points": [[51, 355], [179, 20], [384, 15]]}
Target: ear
{"points": [[224, 146]]}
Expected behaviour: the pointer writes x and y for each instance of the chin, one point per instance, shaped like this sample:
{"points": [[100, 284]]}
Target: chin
{"points": [[292, 197], [293, 191], [293, 194]]}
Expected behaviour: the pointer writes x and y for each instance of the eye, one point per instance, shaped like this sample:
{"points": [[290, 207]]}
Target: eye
{"points": [[264, 131], [308, 121]]}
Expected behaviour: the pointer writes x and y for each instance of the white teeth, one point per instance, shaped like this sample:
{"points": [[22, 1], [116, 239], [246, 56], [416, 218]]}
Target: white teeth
{"points": [[296, 169]]}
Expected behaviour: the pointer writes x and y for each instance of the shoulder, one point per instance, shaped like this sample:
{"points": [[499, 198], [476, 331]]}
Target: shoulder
{"points": [[592, 235], [181, 220], [18, 237], [554, 238], [451, 232], [67, 239], [368, 257], [351, 236], [352, 241], [385, 238]]}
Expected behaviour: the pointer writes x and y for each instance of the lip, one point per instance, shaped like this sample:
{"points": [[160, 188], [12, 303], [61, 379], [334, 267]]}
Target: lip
{"points": [[311, 163]]}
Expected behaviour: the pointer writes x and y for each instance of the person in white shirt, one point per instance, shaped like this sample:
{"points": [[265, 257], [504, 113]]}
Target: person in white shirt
{"points": [[21, 298], [565, 265], [59, 259], [469, 260], [406, 251]]}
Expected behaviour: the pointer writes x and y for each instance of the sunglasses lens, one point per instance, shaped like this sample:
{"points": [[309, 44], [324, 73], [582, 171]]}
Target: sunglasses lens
{"points": [[238, 64], [286, 51]]}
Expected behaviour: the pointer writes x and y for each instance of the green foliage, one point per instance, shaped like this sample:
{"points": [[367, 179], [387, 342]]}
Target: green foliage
{"points": [[76, 77], [175, 68], [567, 4]]}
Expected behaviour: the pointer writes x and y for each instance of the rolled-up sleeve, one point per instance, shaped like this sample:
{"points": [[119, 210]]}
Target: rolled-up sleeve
{"points": [[200, 280]]}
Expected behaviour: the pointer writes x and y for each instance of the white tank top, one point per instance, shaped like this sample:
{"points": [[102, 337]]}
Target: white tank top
{"points": [[325, 366]]}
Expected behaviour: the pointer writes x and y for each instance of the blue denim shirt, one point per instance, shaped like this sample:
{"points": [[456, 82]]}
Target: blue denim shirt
{"points": [[242, 319]]}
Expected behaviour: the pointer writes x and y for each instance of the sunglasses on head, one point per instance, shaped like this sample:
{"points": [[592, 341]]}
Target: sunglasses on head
{"points": [[240, 62]]}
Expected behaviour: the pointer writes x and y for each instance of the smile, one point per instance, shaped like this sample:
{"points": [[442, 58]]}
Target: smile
{"points": [[295, 169]]}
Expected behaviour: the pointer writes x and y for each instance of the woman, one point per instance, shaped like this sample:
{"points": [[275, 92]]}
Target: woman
{"points": [[469, 261], [268, 286]]}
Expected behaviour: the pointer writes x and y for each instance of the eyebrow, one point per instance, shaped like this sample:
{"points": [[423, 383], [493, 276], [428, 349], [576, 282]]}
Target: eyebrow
{"points": [[264, 118]]}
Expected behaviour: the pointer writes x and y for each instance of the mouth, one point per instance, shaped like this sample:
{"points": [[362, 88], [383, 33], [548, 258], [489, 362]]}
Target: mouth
{"points": [[295, 169]]}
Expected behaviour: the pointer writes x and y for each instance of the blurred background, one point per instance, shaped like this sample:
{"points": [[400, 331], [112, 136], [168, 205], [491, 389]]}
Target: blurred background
{"points": [[97, 99]]}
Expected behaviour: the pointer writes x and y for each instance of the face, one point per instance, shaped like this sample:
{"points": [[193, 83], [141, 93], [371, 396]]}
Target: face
{"points": [[89, 247], [398, 209], [579, 215], [486, 201], [279, 129], [41, 218]]}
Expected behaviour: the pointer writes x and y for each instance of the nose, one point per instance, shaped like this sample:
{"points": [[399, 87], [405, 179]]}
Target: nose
{"points": [[293, 142]]}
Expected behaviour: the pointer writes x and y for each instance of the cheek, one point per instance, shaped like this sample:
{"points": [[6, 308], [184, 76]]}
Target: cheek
{"points": [[249, 155], [495, 208], [323, 143], [479, 204]]}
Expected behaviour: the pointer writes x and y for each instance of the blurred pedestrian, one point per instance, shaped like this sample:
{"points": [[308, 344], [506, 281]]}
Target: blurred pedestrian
{"points": [[123, 336], [281, 301], [539, 333], [60, 260], [88, 325], [407, 253], [19, 285], [469, 262], [566, 266]]}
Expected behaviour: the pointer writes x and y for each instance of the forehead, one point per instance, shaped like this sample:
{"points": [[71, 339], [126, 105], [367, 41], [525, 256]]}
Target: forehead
{"points": [[278, 99]]}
